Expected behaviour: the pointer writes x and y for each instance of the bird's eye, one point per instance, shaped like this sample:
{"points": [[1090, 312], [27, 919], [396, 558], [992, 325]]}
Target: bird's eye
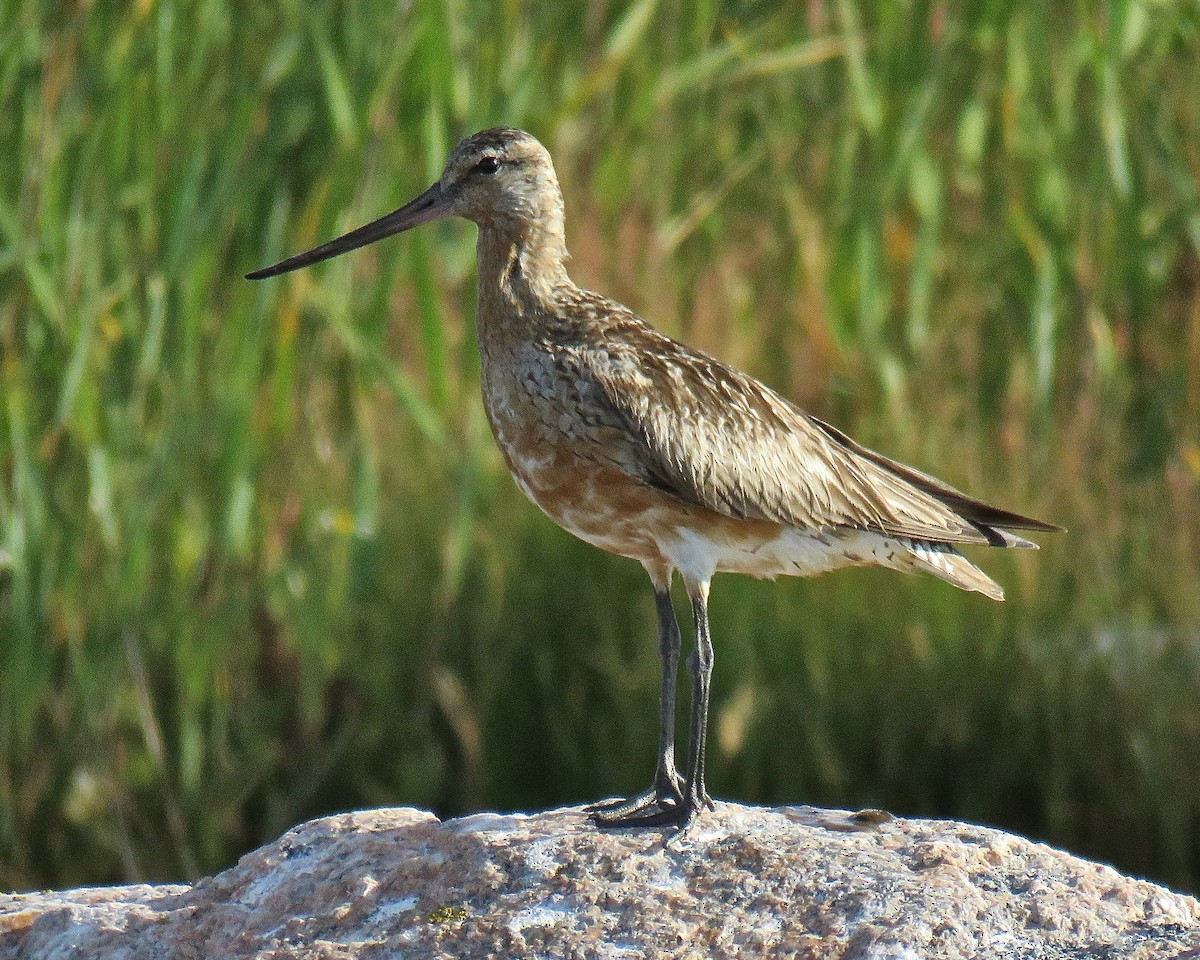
{"points": [[487, 165]]}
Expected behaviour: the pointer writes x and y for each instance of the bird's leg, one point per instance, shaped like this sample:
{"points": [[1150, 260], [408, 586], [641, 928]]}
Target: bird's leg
{"points": [[695, 795], [700, 663], [667, 789], [668, 785]]}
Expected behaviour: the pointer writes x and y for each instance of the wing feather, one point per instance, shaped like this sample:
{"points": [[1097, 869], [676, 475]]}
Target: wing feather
{"points": [[716, 437]]}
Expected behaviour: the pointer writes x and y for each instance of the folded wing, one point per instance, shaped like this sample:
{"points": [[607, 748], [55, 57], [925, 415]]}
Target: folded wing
{"points": [[718, 438]]}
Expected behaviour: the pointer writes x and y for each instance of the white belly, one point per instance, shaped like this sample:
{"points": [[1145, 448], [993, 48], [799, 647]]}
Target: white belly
{"points": [[790, 552]]}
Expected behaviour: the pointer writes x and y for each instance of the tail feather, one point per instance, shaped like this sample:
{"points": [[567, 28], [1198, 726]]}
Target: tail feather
{"points": [[1007, 538], [992, 522], [942, 560]]}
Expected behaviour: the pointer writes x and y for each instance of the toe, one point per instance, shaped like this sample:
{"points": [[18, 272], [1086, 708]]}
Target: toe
{"points": [[616, 813], [654, 815]]}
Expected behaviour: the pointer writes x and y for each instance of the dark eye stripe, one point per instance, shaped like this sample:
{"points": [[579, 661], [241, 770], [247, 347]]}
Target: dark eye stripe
{"points": [[487, 165]]}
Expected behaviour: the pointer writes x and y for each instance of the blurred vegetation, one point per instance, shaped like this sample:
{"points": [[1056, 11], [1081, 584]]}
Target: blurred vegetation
{"points": [[264, 562]]}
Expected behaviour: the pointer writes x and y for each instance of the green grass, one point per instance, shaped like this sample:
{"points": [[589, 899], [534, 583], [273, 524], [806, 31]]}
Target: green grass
{"points": [[264, 561]]}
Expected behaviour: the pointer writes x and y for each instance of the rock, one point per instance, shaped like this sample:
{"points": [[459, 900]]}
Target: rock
{"points": [[789, 882]]}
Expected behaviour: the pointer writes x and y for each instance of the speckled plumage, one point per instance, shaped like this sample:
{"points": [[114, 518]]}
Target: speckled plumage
{"points": [[653, 450]]}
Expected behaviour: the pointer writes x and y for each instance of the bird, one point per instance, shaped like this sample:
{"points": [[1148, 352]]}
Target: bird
{"points": [[653, 450]]}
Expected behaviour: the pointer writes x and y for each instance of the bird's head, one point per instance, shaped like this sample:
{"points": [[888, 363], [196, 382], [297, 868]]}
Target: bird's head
{"points": [[501, 176], [501, 179]]}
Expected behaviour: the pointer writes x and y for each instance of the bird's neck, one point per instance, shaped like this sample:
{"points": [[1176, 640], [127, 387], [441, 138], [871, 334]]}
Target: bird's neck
{"points": [[522, 274]]}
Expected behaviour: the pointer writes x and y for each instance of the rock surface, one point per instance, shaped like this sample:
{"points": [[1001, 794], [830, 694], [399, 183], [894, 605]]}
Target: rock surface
{"points": [[789, 882]]}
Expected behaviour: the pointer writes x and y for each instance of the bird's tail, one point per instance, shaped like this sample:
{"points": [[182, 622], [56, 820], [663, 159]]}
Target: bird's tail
{"points": [[994, 523], [943, 560]]}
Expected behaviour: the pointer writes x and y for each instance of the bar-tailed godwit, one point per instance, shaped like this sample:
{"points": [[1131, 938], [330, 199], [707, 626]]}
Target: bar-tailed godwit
{"points": [[652, 450]]}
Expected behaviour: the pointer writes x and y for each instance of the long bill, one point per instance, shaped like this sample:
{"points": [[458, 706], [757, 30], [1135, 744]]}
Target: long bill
{"points": [[431, 205]]}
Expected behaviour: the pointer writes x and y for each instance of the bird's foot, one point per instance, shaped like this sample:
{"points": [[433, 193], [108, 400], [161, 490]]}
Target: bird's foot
{"points": [[647, 810], [665, 794]]}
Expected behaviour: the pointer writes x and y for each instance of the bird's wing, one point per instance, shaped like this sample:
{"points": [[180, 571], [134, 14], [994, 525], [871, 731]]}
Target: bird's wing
{"points": [[718, 438]]}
